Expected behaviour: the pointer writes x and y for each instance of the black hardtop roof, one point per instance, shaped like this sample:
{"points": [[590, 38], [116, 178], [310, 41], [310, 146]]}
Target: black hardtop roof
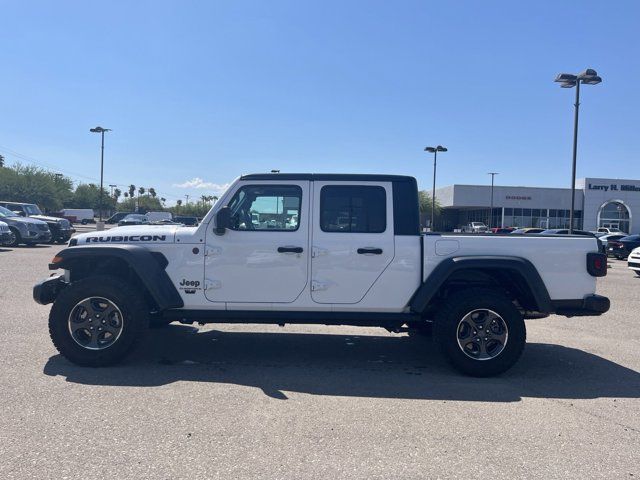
{"points": [[338, 177]]}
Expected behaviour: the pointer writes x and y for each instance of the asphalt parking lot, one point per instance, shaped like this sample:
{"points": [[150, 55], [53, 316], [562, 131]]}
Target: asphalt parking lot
{"points": [[251, 401]]}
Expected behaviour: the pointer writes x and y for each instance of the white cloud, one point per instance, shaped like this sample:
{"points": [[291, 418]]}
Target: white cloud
{"points": [[200, 184]]}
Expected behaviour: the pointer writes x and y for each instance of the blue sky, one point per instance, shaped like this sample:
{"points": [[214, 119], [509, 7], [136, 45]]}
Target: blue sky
{"points": [[211, 90]]}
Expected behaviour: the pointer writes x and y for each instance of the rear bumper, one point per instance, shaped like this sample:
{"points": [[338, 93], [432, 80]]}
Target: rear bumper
{"points": [[46, 291], [591, 305]]}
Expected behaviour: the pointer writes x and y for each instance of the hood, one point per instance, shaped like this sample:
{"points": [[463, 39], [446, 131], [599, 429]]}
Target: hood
{"points": [[46, 218], [155, 234], [27, 220]]}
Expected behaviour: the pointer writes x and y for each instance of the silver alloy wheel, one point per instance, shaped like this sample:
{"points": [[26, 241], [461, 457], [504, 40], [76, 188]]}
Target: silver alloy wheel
{"points": [[482, 334], [12, 242], [95, 323]]}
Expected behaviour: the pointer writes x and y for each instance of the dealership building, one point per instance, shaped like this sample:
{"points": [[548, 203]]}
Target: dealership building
{"points": [[599, 202]]}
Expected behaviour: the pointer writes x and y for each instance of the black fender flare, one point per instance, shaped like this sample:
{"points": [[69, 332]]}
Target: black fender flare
{"points": [[448, 266], [149, 266]]}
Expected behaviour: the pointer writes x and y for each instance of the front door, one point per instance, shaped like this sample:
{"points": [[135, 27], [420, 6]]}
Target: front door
{"points": [[263, 257], [353, 240]]}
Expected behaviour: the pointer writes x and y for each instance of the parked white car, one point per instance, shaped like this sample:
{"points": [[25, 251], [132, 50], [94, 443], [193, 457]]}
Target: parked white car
{"points": [[475, 227], [610, 230], [633, 262], [318, 249]]}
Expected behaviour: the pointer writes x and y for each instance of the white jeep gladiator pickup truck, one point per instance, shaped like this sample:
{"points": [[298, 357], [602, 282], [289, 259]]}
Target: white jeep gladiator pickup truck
{"points": [[318, 249]]}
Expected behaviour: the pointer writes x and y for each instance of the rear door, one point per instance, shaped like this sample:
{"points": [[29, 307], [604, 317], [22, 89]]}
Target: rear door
{"points": [[352, 239]]}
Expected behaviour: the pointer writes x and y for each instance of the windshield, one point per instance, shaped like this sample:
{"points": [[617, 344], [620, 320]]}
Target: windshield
{"points": [[32, 210], [5, 213]]}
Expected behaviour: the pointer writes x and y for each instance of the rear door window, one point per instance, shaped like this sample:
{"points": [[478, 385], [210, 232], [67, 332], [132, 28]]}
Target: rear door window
{"points": [[353, 209]]}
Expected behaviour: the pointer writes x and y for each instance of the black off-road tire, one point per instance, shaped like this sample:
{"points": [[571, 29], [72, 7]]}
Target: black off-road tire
{"points": [[135, 320], [450, 316]]}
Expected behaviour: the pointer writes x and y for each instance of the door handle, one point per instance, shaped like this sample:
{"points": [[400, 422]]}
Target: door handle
{"points": [[290, 250], [374, 251]]}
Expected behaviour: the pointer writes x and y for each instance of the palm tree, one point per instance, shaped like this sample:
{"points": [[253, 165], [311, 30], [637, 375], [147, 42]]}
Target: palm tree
{"points": [[162, 199], [116, 193], [132, 190], [141, 191], [178, 204], [152, 192], [1, 161], [126, 194]]}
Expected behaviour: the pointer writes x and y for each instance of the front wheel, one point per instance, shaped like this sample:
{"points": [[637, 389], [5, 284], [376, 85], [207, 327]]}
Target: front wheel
{"points": [[97, 321], [480, 331], [14, 238]]}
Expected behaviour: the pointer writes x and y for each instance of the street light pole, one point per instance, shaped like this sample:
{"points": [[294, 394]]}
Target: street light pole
{"points": [[101, 131], [493, 174], [568, 80], [575, 155], [435, 151]]}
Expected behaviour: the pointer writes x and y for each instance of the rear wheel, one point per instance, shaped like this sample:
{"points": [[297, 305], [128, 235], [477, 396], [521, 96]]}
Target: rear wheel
{"points": [[481, 332], [97, 321]]}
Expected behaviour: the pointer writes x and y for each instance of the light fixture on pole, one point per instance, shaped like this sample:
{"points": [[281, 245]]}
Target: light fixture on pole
{"points": [[101, 131], [435, 151], [493, 174], [112, 187], [568, 80]]}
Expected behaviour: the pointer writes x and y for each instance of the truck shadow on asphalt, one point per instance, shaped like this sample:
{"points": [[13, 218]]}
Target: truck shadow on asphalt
{"points": [[360, 366]]}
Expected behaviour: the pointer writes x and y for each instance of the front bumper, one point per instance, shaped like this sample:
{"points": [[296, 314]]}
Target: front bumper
{"points": [[37, 237], [5, 237], [589, 306], [46, 291]]}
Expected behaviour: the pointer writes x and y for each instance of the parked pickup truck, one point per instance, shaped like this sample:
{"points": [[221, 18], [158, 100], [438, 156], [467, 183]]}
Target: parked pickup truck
{"points": [[318, 249]]}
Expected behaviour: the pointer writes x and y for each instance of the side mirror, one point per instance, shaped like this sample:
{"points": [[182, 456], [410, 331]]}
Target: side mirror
{"points": [[223, 220]]}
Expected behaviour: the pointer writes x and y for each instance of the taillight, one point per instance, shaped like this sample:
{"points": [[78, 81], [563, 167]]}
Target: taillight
{"points": [[597, 264]]}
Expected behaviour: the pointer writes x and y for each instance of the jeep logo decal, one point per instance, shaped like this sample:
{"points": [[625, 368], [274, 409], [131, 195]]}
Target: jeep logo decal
{"points": [[189, 283], [127, 238]]}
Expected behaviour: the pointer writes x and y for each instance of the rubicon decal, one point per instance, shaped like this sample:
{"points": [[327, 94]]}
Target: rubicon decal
{"points": [[127, 238]]}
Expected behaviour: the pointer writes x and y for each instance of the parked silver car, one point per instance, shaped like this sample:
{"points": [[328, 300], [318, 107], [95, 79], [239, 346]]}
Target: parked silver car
{"points": [[28, 231], [5, 233]]}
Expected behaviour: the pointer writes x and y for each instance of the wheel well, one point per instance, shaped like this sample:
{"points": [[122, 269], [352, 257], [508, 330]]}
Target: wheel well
{"points": [[113, 266], [509, 282]]}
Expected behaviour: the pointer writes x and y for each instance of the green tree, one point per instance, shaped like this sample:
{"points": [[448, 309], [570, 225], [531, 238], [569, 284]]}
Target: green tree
{"points": [[31, 184], [132, 190], [141, 191], [152, 192], [116, 194], [425, 202]]}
